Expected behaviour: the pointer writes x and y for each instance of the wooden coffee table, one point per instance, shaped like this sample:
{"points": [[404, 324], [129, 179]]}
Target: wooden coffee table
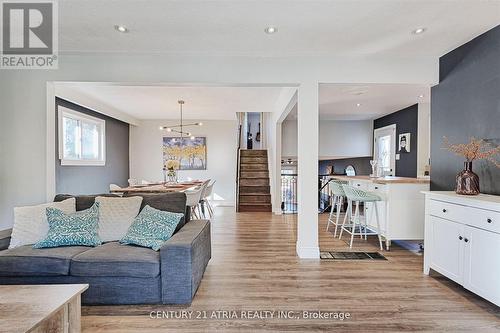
{"points": [[41, 308]]}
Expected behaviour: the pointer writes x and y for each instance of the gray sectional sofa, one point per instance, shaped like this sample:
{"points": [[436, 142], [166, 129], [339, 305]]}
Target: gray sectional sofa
{"points": [[120, 274]]}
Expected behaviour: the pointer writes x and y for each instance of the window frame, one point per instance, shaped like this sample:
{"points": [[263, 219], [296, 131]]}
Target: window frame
{"points": [[81, 117]]}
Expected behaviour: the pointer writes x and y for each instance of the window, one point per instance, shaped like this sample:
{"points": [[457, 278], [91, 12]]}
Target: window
{"points": [[81, 138]]}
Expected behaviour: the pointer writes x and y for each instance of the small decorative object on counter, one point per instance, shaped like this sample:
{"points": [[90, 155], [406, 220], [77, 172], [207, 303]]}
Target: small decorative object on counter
{"points": [[476, 149], [170, 170]]}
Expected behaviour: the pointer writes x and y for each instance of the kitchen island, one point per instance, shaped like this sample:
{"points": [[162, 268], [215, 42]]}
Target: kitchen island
{"points": [[402, 209]]}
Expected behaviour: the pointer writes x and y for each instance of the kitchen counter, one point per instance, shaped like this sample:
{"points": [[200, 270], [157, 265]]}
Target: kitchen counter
{"points": [[402, 208], [386, 180]]}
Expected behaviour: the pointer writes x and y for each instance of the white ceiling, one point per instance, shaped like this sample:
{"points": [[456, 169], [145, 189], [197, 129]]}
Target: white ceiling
{"points": [[339, 101], [305, 27], [160, 102]]}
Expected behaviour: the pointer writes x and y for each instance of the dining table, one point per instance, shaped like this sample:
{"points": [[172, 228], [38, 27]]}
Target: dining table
{"points": [[159, 187]]}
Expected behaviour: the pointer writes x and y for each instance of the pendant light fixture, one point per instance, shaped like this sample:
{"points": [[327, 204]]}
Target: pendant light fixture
{"points": [[179, 129]]}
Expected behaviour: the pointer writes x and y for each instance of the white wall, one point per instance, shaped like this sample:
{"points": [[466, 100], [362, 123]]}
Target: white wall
{"points": [[424, 137], [337, 138], [146, 157]]}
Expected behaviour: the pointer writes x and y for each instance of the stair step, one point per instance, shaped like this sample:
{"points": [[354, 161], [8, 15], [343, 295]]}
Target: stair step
{"points": [[253, 152], [253, 160], [255, 207], [254, 174], [254, 182], [255, 189], [254, 167], [262, 198]]}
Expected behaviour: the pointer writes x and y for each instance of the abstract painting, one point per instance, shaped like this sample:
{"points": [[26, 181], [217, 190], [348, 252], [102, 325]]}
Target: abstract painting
{"points": [[191, 153]]}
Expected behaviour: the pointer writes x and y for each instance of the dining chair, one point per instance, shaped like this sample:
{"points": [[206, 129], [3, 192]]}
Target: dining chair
{"points": [[203, 186], [114, 187], [206, 196], [145, 182], [132, 182], [193, 200]]}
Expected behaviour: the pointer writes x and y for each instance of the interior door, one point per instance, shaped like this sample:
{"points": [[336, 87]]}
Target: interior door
{"points": [[447, 248], [384, 149], [481, 268]]}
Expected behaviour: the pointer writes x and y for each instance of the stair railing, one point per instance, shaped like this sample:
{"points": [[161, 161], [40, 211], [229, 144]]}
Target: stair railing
{"points": [[238, 158], [323, 193]]}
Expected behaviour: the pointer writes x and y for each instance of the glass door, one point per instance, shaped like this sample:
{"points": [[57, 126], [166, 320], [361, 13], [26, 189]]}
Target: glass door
{"points": [[384, 149]]}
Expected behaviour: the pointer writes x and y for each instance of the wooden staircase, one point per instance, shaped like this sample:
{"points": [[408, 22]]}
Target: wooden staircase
{"points": [[254, 191]]}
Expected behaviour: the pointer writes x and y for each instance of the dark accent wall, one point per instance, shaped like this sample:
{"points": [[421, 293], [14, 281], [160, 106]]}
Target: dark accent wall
{"points": [[466, 103], [95, 179], [406, 121], [360, 164]]}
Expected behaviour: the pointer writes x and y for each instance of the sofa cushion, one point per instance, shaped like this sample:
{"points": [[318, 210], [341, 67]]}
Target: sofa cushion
{"points": [[30, 222], [116, 215], [80, 228], [174, 202], [152, 228], [82, 201], [27, 261], [114, 259]]}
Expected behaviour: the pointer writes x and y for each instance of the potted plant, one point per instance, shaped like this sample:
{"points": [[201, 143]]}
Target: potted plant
{"points": [[476, 149], [170, 169]]}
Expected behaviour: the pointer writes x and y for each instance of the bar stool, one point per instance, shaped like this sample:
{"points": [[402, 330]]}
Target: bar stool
{"points": [[338, 194], [356, 196]]}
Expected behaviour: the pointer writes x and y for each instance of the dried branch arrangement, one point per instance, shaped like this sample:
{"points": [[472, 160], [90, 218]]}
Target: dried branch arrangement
{"points": [[476, 149]]}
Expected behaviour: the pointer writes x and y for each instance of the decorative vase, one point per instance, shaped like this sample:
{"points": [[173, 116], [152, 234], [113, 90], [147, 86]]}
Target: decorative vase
{"points": [[467, 181], [172, 176]]}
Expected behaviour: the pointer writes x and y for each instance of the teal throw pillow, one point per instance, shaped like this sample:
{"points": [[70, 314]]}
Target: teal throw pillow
{"points": [[79, 228], [152, 228]]}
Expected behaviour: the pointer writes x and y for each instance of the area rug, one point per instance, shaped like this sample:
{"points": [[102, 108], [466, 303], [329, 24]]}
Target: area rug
{"points": [[332, 255]]}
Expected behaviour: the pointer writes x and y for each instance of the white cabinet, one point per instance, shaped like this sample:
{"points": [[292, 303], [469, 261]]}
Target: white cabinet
{"points": [[462, 241], [482, 263], [447, 245]]}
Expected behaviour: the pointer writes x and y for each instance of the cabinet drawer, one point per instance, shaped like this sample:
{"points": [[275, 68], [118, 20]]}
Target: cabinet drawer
{"points": [[480, 218]]}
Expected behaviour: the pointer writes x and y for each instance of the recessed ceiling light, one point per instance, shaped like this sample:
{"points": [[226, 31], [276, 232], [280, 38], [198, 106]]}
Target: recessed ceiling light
{"points": [[121, 28], [421, 96], [418, 31], [270, 30], [358, 105]]}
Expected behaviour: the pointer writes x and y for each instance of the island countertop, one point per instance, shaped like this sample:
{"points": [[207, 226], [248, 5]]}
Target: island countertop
{"points": [[385, 180]]}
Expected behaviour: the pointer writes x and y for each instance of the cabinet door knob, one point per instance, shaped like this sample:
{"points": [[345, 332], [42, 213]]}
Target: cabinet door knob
{"points": [[376, 187], [460, 237], [489, 220], [444, 210], [466, 240]]}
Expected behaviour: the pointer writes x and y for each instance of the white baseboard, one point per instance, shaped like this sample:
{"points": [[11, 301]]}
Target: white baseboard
{"points": [[222, 203], [307, 252]]}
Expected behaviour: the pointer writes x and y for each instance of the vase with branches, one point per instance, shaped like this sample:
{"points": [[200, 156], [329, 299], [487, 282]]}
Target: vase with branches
{"points": [[475, 149]]}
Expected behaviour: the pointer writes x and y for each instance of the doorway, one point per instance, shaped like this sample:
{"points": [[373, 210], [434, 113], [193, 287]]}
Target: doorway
{"points": [[384, 149]]}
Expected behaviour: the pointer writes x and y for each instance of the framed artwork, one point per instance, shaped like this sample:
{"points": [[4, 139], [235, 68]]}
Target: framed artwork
{"points": [[404, 143], [191, 153]]}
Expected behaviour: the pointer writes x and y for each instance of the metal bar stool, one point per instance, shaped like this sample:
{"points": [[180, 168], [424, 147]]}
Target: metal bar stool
{"points": [[356, 196], [338, 194]]}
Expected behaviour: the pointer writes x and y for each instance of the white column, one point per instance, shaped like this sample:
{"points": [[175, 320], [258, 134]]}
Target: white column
{"points": [[307, 182]]}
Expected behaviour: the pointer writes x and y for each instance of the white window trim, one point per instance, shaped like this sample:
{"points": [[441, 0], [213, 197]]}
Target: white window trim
{"points": [[81, 116]]}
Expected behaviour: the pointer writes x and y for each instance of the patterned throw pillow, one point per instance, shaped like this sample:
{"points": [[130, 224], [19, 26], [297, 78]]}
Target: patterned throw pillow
{"points": [[152, 228], [79, 228]]}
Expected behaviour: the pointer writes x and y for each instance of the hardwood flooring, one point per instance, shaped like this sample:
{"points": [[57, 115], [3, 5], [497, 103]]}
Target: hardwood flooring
{"points": [[254, 267]]}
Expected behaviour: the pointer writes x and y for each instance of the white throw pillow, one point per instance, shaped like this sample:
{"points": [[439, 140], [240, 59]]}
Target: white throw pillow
{"points": [[116, 215], [30, 222]]}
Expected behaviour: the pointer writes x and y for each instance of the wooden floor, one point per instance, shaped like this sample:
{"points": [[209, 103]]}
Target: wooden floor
{"points": [[254, 267]]}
